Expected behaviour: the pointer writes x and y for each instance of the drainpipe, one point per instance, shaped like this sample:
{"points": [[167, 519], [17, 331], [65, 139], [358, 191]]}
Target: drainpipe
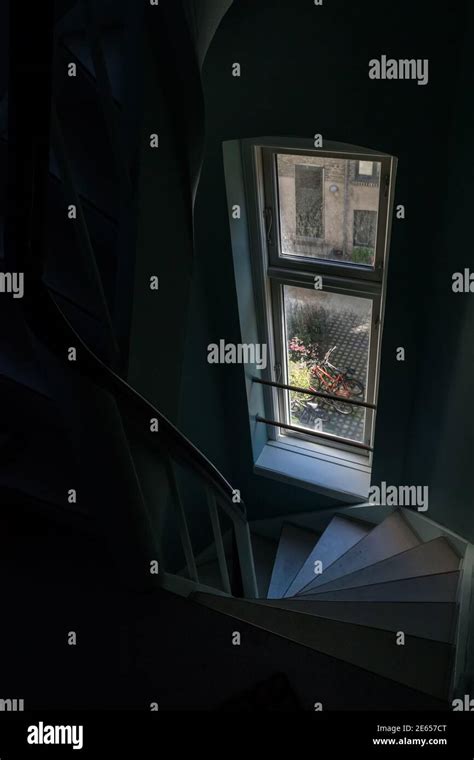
{"points": [[346, 200]]}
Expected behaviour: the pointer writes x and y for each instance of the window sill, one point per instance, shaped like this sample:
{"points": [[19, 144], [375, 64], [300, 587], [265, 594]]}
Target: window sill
{"points": [[330, 472]]}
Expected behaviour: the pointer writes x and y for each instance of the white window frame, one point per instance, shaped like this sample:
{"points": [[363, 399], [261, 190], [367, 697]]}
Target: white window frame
{"points": [[271, 268]]}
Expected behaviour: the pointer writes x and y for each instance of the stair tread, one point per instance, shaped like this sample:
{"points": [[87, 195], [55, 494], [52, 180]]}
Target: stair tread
{"points": [[340, 535], [293, 548], [431, 558], [441, 587], [422, 664], [390, 537], [430, 620]]}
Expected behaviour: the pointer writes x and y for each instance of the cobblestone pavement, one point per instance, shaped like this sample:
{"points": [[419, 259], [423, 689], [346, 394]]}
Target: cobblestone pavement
{"points": [[351, 336]]}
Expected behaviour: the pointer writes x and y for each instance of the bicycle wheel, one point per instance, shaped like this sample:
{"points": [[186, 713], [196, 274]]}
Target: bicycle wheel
{"points": [[307, 416], [343, 389], [297, 408], [354, 387], [341, 407]]}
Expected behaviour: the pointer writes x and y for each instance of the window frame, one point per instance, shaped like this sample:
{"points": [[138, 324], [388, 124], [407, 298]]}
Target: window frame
{"points": [[271, 269]]}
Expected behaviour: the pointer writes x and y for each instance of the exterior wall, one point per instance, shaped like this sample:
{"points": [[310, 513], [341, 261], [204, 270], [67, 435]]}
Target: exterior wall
{"points": [[351, 195]]}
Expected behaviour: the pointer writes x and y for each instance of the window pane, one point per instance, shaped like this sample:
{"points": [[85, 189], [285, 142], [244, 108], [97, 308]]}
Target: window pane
{"points": [[328, 341], [319, 200]]}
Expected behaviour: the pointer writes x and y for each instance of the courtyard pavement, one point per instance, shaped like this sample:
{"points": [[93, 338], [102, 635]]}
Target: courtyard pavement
{"points": [[351, 336]]}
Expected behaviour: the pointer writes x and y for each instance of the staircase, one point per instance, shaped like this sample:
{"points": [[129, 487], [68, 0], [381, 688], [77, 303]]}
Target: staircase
{"points": [[386, 597]]}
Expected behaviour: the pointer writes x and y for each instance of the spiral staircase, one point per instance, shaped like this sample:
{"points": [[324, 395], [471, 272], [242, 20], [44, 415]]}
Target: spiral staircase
{"points": [[385, 596], [367, 595]]}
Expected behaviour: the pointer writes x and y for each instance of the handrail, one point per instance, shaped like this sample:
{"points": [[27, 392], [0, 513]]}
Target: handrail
{"points": [[60, 332]]}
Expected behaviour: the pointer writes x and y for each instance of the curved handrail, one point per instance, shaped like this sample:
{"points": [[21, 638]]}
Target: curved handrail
{"points": [[44, 309]]}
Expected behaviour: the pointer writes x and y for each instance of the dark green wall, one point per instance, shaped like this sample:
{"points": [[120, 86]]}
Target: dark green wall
{"points": [[442, 440], [304, 70], [168, 328]]}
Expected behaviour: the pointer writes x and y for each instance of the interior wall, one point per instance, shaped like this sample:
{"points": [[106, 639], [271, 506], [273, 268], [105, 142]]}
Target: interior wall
{"points": [[164, 249], [171, 324], [442, 437], [304, 70]]}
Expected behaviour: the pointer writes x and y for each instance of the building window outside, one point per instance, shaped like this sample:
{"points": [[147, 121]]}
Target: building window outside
{"points": [[309, 201]]}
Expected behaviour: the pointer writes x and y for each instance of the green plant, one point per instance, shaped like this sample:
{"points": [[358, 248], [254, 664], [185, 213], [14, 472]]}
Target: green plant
{"points": [[308, 322], [362, 255], [299, 375]]}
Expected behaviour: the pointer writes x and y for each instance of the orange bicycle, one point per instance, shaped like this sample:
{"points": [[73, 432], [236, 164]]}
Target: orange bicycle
{"points": [[338, 382], [327, 379]]}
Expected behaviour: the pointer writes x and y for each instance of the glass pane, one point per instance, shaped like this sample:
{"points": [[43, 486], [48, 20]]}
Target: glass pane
{"points": [[328, 207], [328, 341]]}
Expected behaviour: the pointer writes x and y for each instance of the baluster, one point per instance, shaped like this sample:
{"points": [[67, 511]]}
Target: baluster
{"points": [[247, 567], [183, 524], [216, 529]]}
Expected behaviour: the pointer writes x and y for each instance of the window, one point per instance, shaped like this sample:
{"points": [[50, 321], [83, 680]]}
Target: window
{"points": [[319, 263], [366, 168], [365, 172], [308, 201], [364, 237]]}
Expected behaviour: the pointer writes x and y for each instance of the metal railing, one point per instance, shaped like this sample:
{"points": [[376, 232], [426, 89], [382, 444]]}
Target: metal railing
{"points": [[317, 394], [308, 392], [313, 433]]}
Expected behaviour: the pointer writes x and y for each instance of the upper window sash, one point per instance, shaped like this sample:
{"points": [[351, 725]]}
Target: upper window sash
{"points": [[271, 210]]}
